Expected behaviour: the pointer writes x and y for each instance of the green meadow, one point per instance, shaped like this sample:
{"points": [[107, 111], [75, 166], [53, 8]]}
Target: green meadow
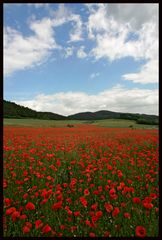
{"points": [[110, 123]]}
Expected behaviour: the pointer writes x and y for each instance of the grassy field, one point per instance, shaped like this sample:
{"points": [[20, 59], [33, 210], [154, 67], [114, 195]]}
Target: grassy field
{"points": [[39, 122], [122, 123], [111, 123]]}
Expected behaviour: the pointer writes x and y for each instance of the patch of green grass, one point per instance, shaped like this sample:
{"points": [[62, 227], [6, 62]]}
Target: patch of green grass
{"points": [[110, 123], [39, 122], [122, 123]]}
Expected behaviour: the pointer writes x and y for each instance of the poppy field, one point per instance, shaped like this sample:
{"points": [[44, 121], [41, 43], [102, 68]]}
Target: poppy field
{"points": [[85, 181]]}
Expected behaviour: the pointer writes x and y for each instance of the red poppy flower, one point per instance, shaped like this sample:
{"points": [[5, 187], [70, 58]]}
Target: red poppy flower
{"points": [[88, 223], [100, 188], [59, 197], [114, 196], [108, 207], [38, 224], [77, 213], [65, 185], [147, 199], [129, 181], [156, 210], [69, 212], [94, 219], [43, 201], [28, 224], [25, 173], [140, 231], [127, 215], [15, 215], [36, 194], [112, 191], [153, 195], [148, 205], [5, 184], [136, 200], [10, 210], [83, 201], [62, 227], [68, 200], [7, 202], [99, 214], [57, 205], [23, 217], [123, 204], [86, 192], [26, 229], [115, 212], [109, 167], [73, 228], [30, 206], [94, 206], [49, 178], [46, 229], [96, 192], [92, 234], [102, 197]]}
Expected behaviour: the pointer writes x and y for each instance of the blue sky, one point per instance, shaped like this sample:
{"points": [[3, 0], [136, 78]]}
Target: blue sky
{"points": [[69, 58]]}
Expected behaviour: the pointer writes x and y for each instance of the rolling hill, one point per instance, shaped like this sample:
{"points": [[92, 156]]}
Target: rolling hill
{"points": [[13, 110]]}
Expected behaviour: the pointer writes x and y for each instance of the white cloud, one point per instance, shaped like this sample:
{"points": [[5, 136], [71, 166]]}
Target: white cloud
{"points": [[68, 52], [135, 14], [110, 26], [117, 99], [60, 16], [21, 52], [76, 33], [64, 15], [94, 75], [39, 5], [147, 74], [81, 53]]}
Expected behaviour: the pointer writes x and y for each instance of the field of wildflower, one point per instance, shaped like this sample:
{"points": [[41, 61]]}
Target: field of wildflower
{"points": [[85, 181]]}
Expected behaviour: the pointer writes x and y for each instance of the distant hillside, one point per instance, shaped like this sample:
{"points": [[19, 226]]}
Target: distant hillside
{"points": [[13, 110], [139, 118], [95, 115]]}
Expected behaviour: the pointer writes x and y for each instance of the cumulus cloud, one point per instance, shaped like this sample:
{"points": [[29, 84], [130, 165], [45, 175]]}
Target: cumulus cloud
{"points": [[76, 33], [64, 15], [147, 74], [117, 99], [111, 25], [81, 53], [68, 52], [135, 14], [21, 52]]}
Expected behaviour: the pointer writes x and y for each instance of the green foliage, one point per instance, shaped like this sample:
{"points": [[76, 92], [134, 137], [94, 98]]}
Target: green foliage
{"points": [[100, 115], [12, 110], [147, 121]]}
